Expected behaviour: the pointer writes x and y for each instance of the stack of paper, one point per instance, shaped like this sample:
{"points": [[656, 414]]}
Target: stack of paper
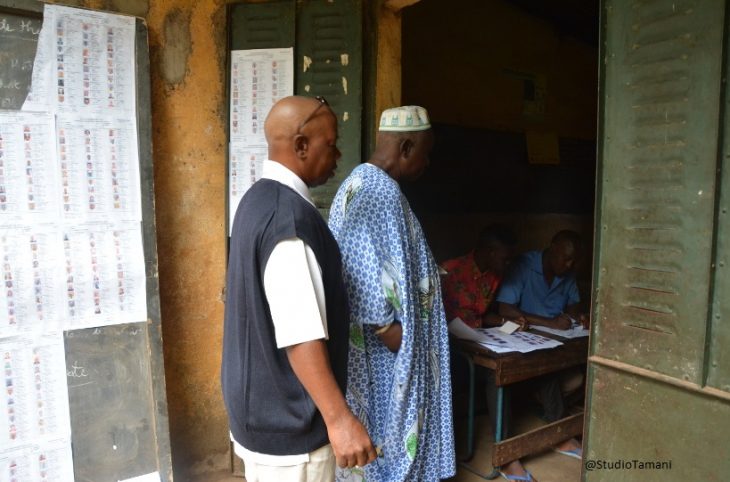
{"points": [[499, 342], [573, 332]]}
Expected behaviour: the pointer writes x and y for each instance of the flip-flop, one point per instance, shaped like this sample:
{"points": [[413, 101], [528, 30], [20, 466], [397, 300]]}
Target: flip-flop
{"points": [[575, 453], [525, 478]]}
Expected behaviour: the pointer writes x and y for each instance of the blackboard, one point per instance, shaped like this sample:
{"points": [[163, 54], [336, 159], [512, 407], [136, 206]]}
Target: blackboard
{"points": [[115, 374], [19, 33]]}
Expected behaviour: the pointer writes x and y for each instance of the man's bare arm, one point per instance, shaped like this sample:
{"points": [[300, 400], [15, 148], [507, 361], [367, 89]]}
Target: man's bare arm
{"points": [[350, 441], [560, 322]]}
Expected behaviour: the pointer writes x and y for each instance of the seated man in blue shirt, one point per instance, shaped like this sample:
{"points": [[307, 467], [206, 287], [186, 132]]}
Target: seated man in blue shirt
{"points": [[541, 288], [541, 285]]}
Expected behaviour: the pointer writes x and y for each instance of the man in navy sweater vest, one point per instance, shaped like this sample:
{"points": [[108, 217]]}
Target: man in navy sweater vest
{"points": [[285, 343]]}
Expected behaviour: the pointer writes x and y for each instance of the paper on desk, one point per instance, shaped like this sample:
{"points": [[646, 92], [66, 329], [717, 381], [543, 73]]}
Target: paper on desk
{"points": [[574, 332], [520, 341], [500, 342], [464, 332], [461, 330], [509, 327]]}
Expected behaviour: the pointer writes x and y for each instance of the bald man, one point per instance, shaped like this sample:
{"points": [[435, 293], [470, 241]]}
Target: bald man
{"points": [[286, 317]]}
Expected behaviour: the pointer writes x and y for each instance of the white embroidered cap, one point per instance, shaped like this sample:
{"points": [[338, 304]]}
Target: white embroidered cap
{"points": [[404, 119]]}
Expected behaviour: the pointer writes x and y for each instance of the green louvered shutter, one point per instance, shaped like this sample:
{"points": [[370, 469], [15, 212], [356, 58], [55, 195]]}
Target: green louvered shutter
{"points": [[327, 40], [718, 363], [662, 96], [653, 344], [329, 63], [262, 25]]}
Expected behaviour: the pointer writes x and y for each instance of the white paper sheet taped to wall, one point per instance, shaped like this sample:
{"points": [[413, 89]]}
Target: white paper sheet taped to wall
{"points": [[153, 477]]}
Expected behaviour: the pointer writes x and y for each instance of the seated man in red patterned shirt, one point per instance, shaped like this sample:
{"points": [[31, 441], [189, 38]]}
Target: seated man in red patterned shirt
{"points": [[469, 287], [472, 280]]}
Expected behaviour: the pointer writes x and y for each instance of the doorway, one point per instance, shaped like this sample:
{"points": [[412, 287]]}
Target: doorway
{"points": [[512, 91]]}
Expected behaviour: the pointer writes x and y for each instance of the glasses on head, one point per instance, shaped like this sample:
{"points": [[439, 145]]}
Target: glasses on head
{"points": [[322, 102]]}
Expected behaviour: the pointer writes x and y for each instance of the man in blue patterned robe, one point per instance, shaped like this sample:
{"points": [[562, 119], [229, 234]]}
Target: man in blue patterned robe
{"points": [[398, 372]]}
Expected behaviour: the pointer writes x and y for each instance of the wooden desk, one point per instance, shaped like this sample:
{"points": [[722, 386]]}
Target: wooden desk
{"points": [[511, 368]]}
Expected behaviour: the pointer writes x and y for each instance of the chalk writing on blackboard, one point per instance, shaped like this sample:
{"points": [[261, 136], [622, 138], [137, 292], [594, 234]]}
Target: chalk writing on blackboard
{"points": [[17, 51], [76, 371]]}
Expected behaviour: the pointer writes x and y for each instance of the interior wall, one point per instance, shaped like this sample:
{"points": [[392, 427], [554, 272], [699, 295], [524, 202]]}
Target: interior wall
{"points": [[469, 63], [188, 55], [472, 72]]}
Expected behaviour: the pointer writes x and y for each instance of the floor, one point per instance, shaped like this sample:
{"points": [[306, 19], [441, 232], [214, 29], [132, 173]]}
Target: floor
{"points": [[546, 467]]}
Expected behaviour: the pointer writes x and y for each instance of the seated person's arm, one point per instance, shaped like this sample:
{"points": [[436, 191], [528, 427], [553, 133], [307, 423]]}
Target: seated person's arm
{"points": [[492, 319], [511, 293], [560, 322], [453, 300]]}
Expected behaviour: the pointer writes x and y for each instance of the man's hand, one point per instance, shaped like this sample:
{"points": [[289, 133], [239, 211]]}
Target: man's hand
{"points": [[584, 320], [522, 321], [392, 336], [350, 442], [562, 322]]}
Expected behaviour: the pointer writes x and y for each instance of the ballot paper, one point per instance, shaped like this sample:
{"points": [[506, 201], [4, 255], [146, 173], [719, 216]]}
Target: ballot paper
{"points": [[153, 477], [573, 332], [509, 327], [520, 341], [259, 78], [461, 330], [499, 342], [70, 226]]}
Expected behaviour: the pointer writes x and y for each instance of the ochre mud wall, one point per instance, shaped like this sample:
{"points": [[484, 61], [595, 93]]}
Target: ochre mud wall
{"points": [[187, 47]]}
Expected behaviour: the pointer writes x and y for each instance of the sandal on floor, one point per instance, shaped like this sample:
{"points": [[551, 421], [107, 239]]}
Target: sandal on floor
{"points": [[575, 453], [525, 478]]}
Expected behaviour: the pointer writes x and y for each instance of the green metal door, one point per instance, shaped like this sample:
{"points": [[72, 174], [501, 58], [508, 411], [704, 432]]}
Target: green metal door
{"points": [[659, 374]]}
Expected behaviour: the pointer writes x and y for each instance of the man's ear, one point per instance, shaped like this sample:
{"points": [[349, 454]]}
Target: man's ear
{"points": [[301, 146], [405, 147]]}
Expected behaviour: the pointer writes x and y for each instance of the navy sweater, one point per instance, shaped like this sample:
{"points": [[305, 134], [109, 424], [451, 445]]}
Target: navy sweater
{"points": [[269, 410]]}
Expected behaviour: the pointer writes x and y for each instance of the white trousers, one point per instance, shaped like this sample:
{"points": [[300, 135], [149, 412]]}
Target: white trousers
{"points": [[320, 468]]}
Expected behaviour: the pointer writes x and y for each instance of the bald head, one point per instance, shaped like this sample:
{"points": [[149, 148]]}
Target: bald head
{"points": [[288, 114], [301, 133]]}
